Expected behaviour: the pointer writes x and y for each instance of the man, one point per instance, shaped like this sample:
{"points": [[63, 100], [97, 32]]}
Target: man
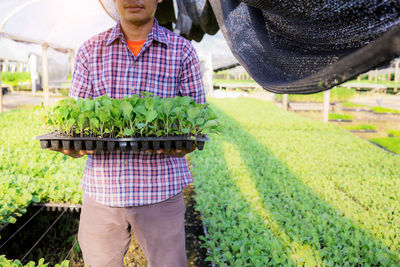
{"points": [[124, 190]]}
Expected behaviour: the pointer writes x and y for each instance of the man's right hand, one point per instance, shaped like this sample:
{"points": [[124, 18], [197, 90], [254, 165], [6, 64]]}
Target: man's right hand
{"points": [[73, 153]]}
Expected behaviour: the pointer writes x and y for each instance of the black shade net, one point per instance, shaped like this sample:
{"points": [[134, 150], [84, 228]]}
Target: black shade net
{"points": [[296, 46], [165, 14], [196, 18], [300, 46]]}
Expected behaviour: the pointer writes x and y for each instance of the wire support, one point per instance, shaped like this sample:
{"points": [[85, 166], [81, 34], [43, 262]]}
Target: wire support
{"points": [[37, 242], [76, 241], [16, 232]]}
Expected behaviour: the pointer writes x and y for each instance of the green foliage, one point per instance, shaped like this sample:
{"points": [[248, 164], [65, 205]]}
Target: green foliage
{"points": [[394, 133], [385, 110], [282, 190], [226, 81], [16, 263], [337, 94], [13, 78], [382, 80], [361, 127], [353, 105], [29, 173], [131, 116], [390, 143], [337, 116]]}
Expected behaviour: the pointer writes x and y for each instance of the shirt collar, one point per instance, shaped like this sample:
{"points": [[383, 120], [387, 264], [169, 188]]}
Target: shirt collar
{"points": [[156, 33]]}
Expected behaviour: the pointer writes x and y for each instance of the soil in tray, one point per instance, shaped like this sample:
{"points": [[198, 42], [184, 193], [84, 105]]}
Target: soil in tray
{"points": [[59, 240]]}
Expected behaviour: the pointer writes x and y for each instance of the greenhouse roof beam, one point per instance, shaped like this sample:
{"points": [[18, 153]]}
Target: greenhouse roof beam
{"points": [[16, 10], [23, 39]]}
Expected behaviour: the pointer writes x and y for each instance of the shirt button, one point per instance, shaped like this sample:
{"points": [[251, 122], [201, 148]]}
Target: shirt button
{"points": [[126, 162]]}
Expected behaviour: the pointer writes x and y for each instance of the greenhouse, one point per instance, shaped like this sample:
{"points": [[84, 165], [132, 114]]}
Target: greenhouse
{"points": [[199, 133]]}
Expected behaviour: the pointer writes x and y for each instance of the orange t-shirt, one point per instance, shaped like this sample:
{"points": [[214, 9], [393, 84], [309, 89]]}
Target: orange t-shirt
{"points": [[135, 46]]}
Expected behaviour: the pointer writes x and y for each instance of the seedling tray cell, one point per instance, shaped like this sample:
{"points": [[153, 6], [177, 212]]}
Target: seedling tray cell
{"points": [[189, 144], [89, 145], [123, 146], [100, 146], [111, 146], [55, 141], [134, 146], [78, 145], [145, 145], [66, 144], [178, 144], [55, 144], [166, 145], [156, 145]]}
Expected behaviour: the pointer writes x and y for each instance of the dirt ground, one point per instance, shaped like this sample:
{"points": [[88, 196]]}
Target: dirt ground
{"points": [[383, 122]]}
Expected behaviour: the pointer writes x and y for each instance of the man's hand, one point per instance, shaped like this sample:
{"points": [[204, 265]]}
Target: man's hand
{"points": [[180, 153], [74, 154]]}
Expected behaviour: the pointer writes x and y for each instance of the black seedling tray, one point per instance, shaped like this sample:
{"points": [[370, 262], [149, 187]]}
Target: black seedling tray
{"points": [[123, 144]]}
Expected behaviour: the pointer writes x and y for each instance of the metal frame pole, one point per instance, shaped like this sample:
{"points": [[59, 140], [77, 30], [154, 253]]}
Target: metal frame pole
{"points": [[45, 74], [325, 113]]}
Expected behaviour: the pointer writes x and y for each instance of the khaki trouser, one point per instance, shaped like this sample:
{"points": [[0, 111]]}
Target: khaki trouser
{"points": [[104, 232]]}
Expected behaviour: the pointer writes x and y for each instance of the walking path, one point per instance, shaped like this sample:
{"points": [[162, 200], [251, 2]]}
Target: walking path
{"points": [[387, 101], [18, 99]]}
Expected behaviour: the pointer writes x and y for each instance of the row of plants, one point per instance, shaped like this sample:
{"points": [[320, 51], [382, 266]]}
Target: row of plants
{"points": [[353, 105], [14, 78], [390, 143], [30, 174], [394, 133], [337, 116], [337, 94], [382, 110], [379, 110], [381, 79], [361, 127], [132, 116], [41, 263], [288, 191]]}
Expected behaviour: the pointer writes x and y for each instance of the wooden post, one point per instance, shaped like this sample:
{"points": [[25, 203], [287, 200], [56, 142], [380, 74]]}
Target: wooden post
{"points": [[45, 74], [72, 60], [5, 65], [285, 101], [34, 71], [1, 96], [207, 72], [325, 113], [396, 73]]}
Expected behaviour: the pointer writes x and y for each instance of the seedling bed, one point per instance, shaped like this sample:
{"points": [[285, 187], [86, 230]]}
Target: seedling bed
{"points": [[357, 109], [56, 141], [363, 131], [340, 120], [385, 113], [384, 148]]}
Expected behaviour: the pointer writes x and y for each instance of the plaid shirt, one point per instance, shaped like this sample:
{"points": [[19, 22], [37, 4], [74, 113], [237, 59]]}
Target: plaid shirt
{"points": [[167, 66]]}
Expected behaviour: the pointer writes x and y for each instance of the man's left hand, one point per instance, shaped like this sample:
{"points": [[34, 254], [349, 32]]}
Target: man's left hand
{"points": [[180, 153]]}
